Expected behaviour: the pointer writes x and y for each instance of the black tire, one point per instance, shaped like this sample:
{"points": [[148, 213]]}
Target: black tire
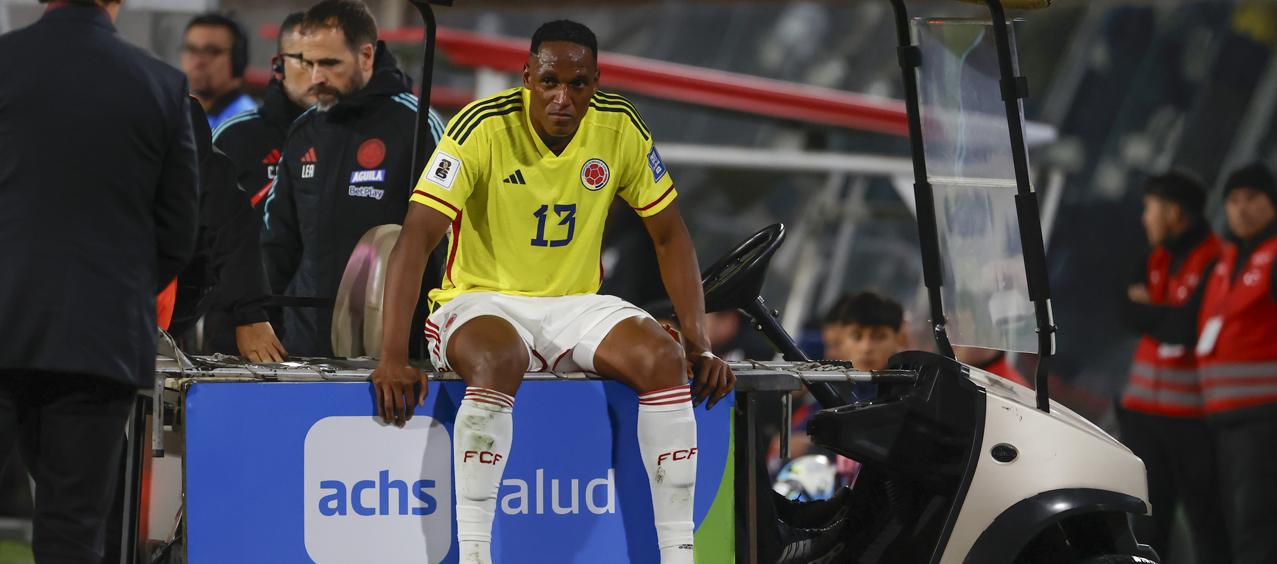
{"points": [[1117, 559]]}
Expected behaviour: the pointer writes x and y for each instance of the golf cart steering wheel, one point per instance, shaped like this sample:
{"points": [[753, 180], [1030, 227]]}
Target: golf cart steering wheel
{"points": [[736, 280]]}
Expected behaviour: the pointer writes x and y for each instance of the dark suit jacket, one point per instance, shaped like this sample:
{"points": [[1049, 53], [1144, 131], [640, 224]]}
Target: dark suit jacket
{"points": [[97, 196]]}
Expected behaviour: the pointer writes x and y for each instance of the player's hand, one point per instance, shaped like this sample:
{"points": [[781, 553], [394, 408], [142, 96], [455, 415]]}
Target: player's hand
{"points": [[713, 378], [257, 343], [393, 384]]}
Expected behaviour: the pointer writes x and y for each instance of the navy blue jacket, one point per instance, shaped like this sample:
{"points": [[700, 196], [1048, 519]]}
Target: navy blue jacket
{"points": [[98, 180], [343, 172]]}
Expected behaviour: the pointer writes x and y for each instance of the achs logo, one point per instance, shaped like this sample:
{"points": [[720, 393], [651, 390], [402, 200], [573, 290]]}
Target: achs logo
{"points": [[595, 174], [376, 493], [308, 163]]}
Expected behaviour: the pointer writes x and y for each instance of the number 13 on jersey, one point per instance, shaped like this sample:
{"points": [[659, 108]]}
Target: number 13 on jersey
{"points": [[566, 214]]}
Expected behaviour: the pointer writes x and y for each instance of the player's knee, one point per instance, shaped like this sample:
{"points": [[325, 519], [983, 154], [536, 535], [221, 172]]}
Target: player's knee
{"points": [[662, 366], [497, 367]]}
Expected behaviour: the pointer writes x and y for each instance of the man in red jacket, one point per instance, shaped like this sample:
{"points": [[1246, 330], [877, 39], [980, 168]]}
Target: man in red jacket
{"points": [[1161, 413], [1237, 355]]}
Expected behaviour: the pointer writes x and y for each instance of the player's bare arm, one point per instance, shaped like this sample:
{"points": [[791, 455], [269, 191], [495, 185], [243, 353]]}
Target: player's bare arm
{"points": [[394, 379], [680, 273]]}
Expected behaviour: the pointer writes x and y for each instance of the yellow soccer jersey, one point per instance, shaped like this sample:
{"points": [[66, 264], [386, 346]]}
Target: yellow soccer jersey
{"points": [[525, 221]]}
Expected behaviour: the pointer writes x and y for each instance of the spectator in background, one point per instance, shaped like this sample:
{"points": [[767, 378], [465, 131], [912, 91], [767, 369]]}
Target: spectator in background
{"points": [[1161, 415], [833, 330], [86, 247], [865, 329], [214, 56], [1237, 359], [254, 140], [346, 165], [872, 331]]}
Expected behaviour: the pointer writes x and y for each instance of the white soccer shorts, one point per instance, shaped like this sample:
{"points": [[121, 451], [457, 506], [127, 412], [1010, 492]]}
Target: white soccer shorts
{"points": [[562, 333]]}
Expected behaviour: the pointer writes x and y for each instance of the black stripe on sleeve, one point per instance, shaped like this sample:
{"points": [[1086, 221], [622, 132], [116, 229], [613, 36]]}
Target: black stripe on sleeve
{"points": [[463, 120], [465, 134], [633, 118], [618, 100]]}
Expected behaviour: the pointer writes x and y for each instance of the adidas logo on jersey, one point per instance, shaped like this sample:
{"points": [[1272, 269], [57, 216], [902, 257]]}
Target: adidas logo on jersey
{"points": [[516, 178], [309, 159]]}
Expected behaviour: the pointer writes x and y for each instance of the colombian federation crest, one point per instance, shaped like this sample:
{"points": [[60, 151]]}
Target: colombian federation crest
{"points": [[595, 174]]}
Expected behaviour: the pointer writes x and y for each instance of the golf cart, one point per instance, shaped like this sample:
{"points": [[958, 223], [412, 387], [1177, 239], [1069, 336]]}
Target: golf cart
{"points": [[958, 465]]}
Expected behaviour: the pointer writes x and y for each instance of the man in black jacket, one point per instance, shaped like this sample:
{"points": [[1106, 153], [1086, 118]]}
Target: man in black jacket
{"points": [[254, 140], [225, 284], [346, 166], [97, 212]]}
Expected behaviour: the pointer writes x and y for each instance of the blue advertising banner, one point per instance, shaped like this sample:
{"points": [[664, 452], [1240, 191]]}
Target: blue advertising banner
{"points": [[305, 472]]}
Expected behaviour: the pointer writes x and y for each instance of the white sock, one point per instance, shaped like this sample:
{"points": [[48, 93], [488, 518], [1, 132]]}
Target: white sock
{"points": [[480, 445], [667, 442]]}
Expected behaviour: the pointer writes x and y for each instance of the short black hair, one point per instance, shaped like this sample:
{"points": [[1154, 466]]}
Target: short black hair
{"points": [[834, 315], [239, 40], [290, 21], [565, 30], [1180, 188], [867, 309], [352, 17]]}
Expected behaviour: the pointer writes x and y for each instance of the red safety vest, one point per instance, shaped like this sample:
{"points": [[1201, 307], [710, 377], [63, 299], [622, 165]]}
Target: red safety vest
{"points": [[1239, 362], [164, 302], [1164, 379]]}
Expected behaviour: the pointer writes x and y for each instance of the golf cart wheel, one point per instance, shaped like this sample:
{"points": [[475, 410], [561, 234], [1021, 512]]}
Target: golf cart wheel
{"points": [[1117, 559]]}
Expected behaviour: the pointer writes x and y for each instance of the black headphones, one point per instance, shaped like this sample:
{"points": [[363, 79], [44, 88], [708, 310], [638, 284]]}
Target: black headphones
{"points": [[277, 64], [239, 50]]}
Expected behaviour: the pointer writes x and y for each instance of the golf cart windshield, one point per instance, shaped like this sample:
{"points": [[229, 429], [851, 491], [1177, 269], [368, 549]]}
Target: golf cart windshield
{"points": [[969, 165]]}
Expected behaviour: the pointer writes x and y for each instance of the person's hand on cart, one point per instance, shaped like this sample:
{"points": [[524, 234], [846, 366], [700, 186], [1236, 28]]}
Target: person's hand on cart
{"points": [[393, 385], [257, 343]]}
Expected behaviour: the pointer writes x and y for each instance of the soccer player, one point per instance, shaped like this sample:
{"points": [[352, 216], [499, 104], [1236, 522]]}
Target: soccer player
{"points": [[523, 180]]}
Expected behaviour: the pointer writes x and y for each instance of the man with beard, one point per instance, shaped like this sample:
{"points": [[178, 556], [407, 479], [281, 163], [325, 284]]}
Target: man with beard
{"points": [[346, 165], [254, 140], [214, 56]]}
